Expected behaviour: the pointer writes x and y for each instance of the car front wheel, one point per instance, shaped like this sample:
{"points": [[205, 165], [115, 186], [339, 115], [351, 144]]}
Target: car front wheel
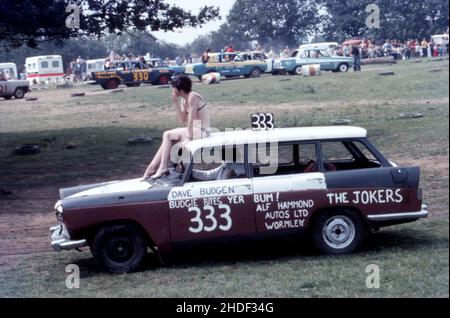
{"points": [[19, 93], [297, 71], [119, 248], [338, 232], [343, 68], [112, 84]]}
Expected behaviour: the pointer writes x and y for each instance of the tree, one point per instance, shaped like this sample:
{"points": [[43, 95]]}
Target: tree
{"points": [[399, 19], [30, 22], [274, 23]]}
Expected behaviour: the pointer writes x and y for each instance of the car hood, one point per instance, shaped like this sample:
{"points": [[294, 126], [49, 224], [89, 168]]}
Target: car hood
{"points": [[114, 193], [106, 188]]}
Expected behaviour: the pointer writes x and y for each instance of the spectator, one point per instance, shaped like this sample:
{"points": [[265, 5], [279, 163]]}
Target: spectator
{"points": [[387, 48], [424, 46], [286, 53], [229, 49], [272, 54], [205, 56], [356, 58]]}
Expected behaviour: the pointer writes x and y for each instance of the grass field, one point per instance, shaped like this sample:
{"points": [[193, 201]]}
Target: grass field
{"points": [[413, 258]]}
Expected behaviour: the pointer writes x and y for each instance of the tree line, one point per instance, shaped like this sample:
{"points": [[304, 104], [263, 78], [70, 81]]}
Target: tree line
{"points": [[36, 27]]}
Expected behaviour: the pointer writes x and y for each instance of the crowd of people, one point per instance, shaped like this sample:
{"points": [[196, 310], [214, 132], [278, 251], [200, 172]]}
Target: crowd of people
{"points": [[399, 50]]}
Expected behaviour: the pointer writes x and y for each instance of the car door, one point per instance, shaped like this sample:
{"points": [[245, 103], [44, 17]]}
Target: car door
{"points": [[326, 61], [211, 209], [285, 199]]}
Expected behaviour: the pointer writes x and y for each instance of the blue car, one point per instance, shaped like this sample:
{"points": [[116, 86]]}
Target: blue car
{"points": [[228, 65], [293, 65]]}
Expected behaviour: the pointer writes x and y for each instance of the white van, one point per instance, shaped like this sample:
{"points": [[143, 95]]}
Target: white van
{"points": [[10, 70], [44, 69], [328, 46], [441, 39], [93, 66]]}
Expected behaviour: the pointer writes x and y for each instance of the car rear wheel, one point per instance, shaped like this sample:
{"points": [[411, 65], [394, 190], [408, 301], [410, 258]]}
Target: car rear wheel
{"points": [[343, 68], [338, 232], [19, 93], [164, 80], [112, 84], [119, 248], [255, 73]]}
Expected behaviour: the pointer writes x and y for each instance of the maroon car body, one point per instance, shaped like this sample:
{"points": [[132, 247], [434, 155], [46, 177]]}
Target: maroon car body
{"points": [[329, 180]]}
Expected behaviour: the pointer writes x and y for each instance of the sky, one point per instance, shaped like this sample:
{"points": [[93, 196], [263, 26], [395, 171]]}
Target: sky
{"points": [[187, 35]]}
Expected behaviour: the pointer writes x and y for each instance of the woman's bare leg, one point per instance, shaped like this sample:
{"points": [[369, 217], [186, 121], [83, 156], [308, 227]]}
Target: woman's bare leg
{"points": [[169, 138], [153, 167]]}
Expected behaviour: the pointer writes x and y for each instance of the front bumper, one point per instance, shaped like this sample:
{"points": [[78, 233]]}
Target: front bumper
{"points": [[400, 216], [61, 241]]}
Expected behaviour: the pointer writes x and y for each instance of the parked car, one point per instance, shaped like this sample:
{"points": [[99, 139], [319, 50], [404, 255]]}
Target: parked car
{"points": [[327, 62], [132, 73], [328, 181], [258, 56], [14, 88], [228, 65]]}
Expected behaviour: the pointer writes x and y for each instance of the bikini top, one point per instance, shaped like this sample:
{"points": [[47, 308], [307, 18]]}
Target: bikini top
{"points": [[202, 100]]}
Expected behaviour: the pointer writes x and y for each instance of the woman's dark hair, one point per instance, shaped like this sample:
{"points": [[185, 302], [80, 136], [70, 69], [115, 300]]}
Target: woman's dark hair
{"points": [[182, 82]]}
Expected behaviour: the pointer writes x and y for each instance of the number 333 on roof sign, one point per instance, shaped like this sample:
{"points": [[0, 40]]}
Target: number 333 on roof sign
{"points": [[263, 121]]}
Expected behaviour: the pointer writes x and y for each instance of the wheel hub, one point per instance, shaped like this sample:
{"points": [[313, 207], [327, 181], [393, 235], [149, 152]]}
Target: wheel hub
{"points": [[339, 232]]}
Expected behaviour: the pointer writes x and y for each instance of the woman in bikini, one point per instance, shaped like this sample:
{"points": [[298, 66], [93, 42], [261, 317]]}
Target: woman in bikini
{"points": [[193, 112]]}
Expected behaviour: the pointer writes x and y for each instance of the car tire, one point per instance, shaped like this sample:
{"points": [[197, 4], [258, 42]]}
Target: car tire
{"points": [[297, 71], [343, 68], [338, 232], [19, 93], [164, 80], [255, 73], [112, 84], [119, 249]]}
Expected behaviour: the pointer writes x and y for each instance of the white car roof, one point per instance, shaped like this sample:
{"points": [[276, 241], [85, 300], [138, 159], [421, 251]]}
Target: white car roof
{"points": [[240, 137]]}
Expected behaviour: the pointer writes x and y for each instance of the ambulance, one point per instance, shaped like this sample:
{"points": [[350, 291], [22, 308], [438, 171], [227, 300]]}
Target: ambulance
{"points": [[44, 69]]}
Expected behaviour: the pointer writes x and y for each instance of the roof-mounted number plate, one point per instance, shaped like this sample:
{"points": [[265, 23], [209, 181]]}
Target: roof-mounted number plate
{"points": [[263, 121]]}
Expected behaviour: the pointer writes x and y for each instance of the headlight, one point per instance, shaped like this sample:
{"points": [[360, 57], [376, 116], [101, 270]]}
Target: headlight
{"points": [[59, 211]]}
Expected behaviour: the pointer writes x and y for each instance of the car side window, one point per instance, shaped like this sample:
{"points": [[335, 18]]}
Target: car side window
{"points": [[285, 159], [347, 155], [218, 163]]}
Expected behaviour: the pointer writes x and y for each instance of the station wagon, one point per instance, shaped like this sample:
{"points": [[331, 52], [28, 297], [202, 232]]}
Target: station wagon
{"points": [[330, 182]]}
